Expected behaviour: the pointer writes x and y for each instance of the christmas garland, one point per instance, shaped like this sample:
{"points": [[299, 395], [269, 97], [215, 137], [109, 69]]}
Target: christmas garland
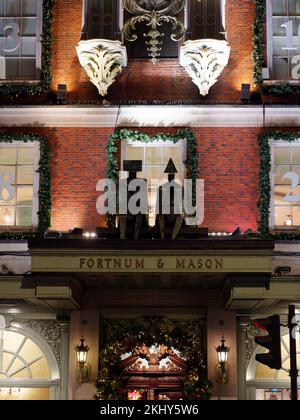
{"points": [[280, 89], [110, 384], [15, 90], [265, 182], [44, 213], [126, 134]]}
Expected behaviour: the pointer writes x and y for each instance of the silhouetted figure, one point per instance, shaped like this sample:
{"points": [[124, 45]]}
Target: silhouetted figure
{"points": [[129, 222], [170, 204]]}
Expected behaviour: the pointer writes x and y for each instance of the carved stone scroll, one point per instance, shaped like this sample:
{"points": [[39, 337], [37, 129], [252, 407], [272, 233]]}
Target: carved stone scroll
{"points": [[102, 60]]}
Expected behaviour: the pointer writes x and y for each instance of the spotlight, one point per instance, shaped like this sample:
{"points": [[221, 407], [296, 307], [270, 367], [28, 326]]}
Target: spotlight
{"points": [[282, 270], [62, 94], [89, 235], [245, 93], [52, 234]]}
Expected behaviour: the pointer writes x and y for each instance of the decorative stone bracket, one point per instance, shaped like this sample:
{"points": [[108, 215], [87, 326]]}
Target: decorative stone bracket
{"points": [[204, 60], [102, 60]]}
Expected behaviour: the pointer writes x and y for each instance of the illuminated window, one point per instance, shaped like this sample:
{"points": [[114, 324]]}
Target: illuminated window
{"points": [[24, 370], [19, 184], [20, 46], [155, 157], [283, 39]]}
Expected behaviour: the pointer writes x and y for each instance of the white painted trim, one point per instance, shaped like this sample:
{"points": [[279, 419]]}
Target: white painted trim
{"points": [[149, 116]]}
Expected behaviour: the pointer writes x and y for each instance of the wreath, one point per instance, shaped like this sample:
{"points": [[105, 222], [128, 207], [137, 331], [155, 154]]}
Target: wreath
{"points": [[111, 385]]}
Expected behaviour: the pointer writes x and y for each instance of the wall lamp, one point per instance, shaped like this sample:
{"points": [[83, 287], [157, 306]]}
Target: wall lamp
{"points": [[83, 368], [222, 369]]}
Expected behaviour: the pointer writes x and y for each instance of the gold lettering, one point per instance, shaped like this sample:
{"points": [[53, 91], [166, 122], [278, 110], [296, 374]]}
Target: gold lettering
{"points": [[140, 264], [219, 263], [191, 265], [82, 262], [128, 262], [90, 263], [117, 263], [180, 264], [107, 260], [208, 264]]}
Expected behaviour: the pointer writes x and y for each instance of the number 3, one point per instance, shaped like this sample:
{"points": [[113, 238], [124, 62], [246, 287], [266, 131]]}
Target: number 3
{"points": [[14, 35]]}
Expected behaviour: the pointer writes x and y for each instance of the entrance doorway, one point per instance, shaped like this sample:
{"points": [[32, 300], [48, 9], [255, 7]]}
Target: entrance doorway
{"points": [[154, 373]]}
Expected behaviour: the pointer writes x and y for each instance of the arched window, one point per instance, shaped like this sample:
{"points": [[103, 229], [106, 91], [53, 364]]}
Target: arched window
{"points": [[28, 369], [266, 383]]}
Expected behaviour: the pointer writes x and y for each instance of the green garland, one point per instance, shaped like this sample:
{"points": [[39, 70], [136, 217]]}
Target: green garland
{"points": [[260, 9], [15, 90], [111, 386], [126, 134], [265, 183], [280, 89], [44, 213]]}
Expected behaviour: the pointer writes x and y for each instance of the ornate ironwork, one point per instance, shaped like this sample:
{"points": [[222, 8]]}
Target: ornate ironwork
{"points": [[154, 13]]}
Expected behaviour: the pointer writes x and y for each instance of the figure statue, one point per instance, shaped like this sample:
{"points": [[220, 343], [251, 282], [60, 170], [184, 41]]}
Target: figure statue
{"points": [[170, 204], [129, 222]]}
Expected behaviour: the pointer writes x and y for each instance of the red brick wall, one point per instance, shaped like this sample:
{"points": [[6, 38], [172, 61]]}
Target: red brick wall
{"points": [[141, 80], [228, 163]]}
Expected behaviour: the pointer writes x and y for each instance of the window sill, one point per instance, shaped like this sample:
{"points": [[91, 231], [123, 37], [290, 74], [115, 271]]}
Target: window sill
{"points": [[21, 229], [20, 82], [281, 82]]}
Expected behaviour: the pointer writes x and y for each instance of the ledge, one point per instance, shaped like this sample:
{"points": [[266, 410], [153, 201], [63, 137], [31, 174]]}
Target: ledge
{"points": [[149, 116]]}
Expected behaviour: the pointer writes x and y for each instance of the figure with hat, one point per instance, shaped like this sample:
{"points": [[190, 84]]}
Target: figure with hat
{"points": [[169, 208]]}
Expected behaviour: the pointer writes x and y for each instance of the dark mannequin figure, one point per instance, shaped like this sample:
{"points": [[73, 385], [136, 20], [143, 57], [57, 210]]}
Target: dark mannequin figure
{"points": [[175, 217], [131, 222]]}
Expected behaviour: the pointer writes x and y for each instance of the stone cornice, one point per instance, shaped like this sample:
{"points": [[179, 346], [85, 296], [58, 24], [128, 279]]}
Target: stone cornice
{"points": [[149, 116]]}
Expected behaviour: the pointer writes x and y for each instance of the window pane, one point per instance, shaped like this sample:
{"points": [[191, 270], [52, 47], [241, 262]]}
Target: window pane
{"points": [[28, 26], [12, 68], [8, 155], [7, 216], [154, 173], [153, 155], [28, 69], [282, 214], [294, 7], [24, 196], [28, 47], [25, 155], [296, 154], [172, 153], [279, 7], [280, 172], [25, 175], [296, 215], [280, 193], [13, 7], [135, 153], [8, 173], [282, 155], [29, 8], [24, 216]]}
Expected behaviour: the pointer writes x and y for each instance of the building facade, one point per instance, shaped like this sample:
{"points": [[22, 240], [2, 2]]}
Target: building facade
{"points": [[88, 85]]}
